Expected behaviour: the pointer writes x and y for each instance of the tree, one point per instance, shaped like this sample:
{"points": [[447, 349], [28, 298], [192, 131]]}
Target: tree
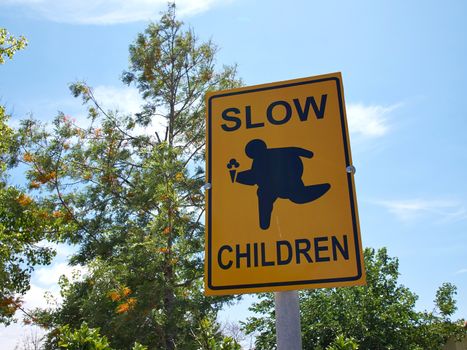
{"points": [[90, 338], [436, 327], [24, 224], [30, 341], [82, 338], [342, 343], [133, 199], [10, 44], [380, 315], [85, 338], [24, 221]]}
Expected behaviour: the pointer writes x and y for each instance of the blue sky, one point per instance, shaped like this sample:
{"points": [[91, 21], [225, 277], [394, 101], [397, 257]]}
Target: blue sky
{"points": [[404, 72]]}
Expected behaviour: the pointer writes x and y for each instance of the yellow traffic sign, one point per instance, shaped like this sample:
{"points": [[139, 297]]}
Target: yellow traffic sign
{"points": [[281, 206]]}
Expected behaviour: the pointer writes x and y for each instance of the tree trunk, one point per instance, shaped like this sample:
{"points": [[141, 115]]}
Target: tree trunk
{"points": [[169, 302]]}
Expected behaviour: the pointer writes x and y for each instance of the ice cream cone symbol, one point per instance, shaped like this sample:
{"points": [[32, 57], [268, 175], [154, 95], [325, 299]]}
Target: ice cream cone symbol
{"points": [[232, 166], [232, 172]]}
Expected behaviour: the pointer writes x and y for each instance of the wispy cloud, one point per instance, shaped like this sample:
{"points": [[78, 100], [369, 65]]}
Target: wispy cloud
{"points": [[461, 271], [410, 209], [104, 12], [15, 336], [124, 99], [48, 276], [46, 283], [127, 100], [369, 121]]}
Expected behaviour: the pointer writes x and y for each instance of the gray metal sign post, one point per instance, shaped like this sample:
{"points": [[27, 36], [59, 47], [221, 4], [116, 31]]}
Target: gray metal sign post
{"points": [[288, 330]]}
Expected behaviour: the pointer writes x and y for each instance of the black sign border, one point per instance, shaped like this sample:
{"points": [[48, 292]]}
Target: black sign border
{"points": [[349, 182]]}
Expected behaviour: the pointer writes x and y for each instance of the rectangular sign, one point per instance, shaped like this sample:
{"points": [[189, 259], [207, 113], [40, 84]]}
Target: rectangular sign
{"points": [[281, 210]]}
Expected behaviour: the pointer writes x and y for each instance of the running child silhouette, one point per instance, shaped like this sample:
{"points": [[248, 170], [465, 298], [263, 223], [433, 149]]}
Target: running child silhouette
{"points": [[278, 174]]}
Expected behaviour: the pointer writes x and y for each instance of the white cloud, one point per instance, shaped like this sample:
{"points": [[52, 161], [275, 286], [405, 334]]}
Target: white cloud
{"points": [[45, 281], [127, 100], [366, 121], [461, 271], [124, 99], [35, 296], [16, 335], [63, 251], [107, 11], [369, 121], [410, 209], [48, 276]]}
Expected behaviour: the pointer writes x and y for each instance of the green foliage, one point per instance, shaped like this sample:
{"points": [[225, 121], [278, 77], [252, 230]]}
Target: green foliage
{"points": [[22, 227], [208, 337], [436, 327], [84, 338], [138, 346], [24, 221], [132, 201], [173, 72], [343, 343], [5, 140], [228, 343], [380, 315], [9, 45], [445, 299], [263, 326]]}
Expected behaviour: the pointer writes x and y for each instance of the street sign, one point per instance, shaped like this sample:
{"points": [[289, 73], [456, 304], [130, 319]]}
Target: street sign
{"points": [[281, 206]]}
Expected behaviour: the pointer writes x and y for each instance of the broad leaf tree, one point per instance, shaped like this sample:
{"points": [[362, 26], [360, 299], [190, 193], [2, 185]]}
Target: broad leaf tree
{"points": [[380, 315], [25, 222], [129, 187], [9, 44]]}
